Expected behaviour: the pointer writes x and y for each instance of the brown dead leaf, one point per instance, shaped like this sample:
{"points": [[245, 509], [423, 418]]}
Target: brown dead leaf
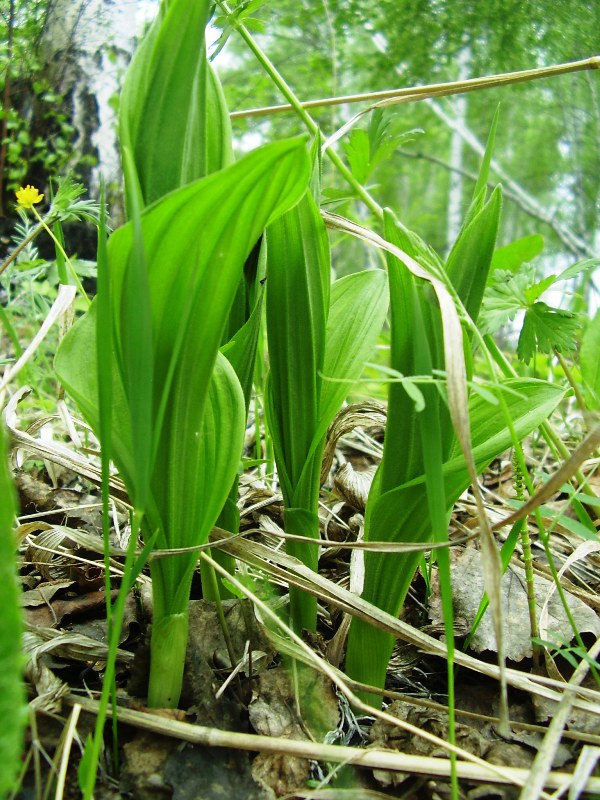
{"points": [[52, 614], [468, 589], [43, 593], [353, 485], [273, 712]]}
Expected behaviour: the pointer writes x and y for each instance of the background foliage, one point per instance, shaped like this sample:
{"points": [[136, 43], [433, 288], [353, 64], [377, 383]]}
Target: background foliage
{"points": [[547, 138]]}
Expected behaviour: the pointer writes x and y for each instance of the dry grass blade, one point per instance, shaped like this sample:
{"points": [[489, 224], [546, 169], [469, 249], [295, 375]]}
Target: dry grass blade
{"points": [[432, 90], [70, 734], [458, 406], [66, 295], [543, 760], [56, 452], [69, 646], [364, 415], [380, 759], [284, 568], [323, 666]]}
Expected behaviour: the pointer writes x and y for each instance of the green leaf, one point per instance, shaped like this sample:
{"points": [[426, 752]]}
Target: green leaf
{"points": [[196, 241], [358, 153], [536, 290], [484, 170], [298, 267], [137, 342], [505, 297], [469, 261], [359, 305], [397, 515], [244, 321], [173, 115], [366, 149], [589, 359], [13, 708], [579, 268], [547, 329], [513, 255]]}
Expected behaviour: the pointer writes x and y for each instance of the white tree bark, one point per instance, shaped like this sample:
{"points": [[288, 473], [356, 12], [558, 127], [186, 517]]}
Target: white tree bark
{"points": [[87, 45]]}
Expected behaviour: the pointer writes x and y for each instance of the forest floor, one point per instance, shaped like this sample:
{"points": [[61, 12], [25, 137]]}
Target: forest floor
{"points": [[197, 752]]}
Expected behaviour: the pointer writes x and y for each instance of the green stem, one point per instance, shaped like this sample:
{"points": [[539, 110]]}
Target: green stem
{"points": [[91, 759], [572, 382], [29, 238], [171, 584], [61, 250], [303, 606], [527, 561], [306, 118], [558, 447], [210, 578], [167, 659]]}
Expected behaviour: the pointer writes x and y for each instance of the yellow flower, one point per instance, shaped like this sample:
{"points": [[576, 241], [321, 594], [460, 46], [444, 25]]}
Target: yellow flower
{"points": [[27, 197]]}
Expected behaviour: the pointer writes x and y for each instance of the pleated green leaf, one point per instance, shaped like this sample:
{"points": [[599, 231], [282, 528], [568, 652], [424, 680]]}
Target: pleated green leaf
{"points": [[319, 339], [590, 361], [398, 515], [359, 306], [297, 304], [196, 241], [469, 261], [173, 115]]}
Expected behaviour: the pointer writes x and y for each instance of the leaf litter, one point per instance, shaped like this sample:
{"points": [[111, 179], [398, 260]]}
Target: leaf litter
{"points": [[264, 697]]}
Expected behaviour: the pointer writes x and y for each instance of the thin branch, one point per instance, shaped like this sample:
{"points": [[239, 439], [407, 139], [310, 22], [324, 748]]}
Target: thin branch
{"points": [[575, 243], [534, 212], [410, 94]]}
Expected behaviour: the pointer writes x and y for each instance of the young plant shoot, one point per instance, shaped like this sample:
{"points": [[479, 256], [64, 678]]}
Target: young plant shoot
{"points": [[405, 497], [319, 340], [178, 407]]}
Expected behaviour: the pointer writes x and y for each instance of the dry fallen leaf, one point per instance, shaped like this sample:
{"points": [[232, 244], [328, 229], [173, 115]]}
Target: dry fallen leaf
{"points": [[468, 589]]}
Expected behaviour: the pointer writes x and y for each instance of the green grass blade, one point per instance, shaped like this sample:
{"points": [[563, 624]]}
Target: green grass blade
{"points": [[137, 344], [13, 708]]}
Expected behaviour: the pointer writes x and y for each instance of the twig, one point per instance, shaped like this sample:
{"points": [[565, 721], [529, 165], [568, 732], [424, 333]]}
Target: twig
{"points": [[413, 93], [373, 758], [543, 760]]}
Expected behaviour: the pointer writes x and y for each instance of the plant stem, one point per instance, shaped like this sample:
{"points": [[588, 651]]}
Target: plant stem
{"points": [[167, 659], [296, 104], [552, 438], [572, 382], [527, 560], [91, 759], [29, 238], [61, 250]]}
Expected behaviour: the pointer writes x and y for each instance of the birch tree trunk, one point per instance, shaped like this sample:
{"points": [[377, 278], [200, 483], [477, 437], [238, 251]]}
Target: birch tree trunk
{"points": [[455, 194]]}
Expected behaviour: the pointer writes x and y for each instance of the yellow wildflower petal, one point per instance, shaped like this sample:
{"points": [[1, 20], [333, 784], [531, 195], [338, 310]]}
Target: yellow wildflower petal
{"points": [[28, 197]]}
